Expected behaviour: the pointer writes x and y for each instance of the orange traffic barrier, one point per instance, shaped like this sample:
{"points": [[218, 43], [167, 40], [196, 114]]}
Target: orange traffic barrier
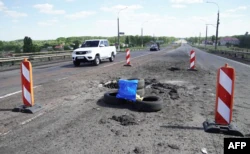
{"points": [[224, 104], [27, 83], [192, 59], [127, 58], [224, 95], [27, 89]]}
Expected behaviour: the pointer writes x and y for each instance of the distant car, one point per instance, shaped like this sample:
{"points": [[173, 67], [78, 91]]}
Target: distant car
{"points": [[154, 47], [158, 44]]}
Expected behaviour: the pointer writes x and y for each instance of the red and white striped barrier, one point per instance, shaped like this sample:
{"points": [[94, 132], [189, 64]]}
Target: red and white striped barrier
{"points": [[224, 104], [27, 89], [224, 95], [127, 57], [27, 83], [192, 59]]}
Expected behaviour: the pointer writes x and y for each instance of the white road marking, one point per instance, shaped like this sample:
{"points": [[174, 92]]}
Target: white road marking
{"points": [[61, 79], [29, 120], [10, 94], [2, 134], [113, 64]]}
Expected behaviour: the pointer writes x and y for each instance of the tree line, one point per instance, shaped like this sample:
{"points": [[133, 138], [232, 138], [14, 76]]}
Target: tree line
{"points": [[29, 45]]}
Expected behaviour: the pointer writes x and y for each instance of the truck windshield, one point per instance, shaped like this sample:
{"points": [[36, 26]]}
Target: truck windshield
{"points": [[90, 44]]}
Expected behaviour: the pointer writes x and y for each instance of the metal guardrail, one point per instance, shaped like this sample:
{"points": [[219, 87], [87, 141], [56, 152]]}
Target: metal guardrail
{"points": [[32, 57], [239, 54]]}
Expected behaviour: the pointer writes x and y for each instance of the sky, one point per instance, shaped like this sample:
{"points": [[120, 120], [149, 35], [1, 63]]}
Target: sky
{"points": [[50, 19]]}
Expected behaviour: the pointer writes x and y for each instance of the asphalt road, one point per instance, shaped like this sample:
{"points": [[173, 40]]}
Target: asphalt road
{"points": [[213, 62], [73, 120], [10, 82]]}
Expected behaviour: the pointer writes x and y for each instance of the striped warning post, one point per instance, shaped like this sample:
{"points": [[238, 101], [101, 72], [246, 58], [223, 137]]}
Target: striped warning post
{"points": [[127, 57], [224, 95], [192, 59], [224, 104], [27, 83]]}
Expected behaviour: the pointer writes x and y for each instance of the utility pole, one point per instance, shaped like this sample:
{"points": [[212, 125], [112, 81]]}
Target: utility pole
{"points": [[200, 39], [118, 38], [142, 37], [217, 29], [218, 22], [142, 33], [118, 27], [206, 37]]}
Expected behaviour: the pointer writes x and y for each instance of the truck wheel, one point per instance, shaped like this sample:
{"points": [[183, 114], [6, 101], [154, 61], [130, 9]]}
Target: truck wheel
{"points": [[97, 60], [111, 59], [76, 63]]}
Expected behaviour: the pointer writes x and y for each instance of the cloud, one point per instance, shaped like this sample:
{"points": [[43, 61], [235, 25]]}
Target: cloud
{"points": [[231, 15], [15, 21], [15, 14], [119, 7], [48, 9], [10, 13], [178, 6], [186, 1], [106, 22], [79, 15], [47, 23], [237, 9], [2, 6], [16, 7]]}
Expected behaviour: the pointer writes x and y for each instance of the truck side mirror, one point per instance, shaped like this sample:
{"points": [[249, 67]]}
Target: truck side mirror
{"points": [[101, 45]]}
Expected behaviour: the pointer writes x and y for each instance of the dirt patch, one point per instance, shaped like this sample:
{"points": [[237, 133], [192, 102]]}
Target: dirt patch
{"points": [[116, 132], [174, 69], [113, 84], [174, 94], [125, 120], [173, 146], [171, 89], [138, 150]]}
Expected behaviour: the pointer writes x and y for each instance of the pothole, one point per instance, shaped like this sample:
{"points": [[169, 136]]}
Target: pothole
{"points": [[173, 94], [125, 120], [139, 150], [174, 69], [171, 89]]}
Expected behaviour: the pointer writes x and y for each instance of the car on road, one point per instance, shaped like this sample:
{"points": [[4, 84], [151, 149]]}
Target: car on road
{"points": [[154, 47], [94, 51]]}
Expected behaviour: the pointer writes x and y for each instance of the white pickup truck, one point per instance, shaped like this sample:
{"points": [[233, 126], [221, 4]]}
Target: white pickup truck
{"points": [[94, 51]]}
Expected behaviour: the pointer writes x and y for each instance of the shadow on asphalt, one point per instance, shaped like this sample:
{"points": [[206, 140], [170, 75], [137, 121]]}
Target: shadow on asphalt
{"points": [[183, 127], [3, 110], [101, 103], [83, 65]]}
